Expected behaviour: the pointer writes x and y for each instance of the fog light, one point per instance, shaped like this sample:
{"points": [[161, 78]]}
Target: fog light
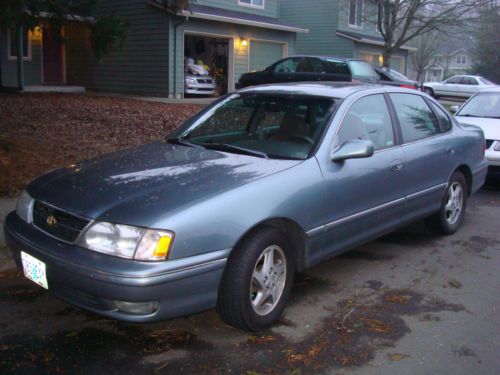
{"points": [[136, 308]]}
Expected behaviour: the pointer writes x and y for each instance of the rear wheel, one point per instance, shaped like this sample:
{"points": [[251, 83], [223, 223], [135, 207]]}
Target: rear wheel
{"points": [[450, 216], [257, 280]]}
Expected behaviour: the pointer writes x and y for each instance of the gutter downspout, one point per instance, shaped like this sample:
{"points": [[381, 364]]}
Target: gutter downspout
{"points": [[20, 59]]}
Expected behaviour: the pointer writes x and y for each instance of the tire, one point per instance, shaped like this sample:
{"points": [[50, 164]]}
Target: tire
{"points": [[240, 291], [450, 216], [429, 91]]}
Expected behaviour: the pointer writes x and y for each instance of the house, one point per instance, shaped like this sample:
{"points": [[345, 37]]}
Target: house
{"points": [[344, 28], [230, 36], [449, 61]]}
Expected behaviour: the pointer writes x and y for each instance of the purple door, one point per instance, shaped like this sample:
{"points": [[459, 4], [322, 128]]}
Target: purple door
{"points": [[52, 55]]}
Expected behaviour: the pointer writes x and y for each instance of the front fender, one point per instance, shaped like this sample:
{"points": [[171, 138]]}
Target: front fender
{"points": [[220, 221]]}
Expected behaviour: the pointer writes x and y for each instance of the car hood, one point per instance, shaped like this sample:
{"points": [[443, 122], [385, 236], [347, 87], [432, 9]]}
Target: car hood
{"points": [[136, 186], [490, 126]]}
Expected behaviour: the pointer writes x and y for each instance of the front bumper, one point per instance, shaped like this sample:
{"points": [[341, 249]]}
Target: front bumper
{"points": [[92, 280], [199, 89], [493, 156]]}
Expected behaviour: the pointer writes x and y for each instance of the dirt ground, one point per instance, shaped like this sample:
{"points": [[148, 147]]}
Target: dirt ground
{"points": [[40, 132]]}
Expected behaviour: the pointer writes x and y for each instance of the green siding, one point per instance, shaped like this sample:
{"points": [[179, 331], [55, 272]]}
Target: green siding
{"points": [[32, 67], [321, 20], [263, 54], [141, 67], [234, 32], [270, 6]]}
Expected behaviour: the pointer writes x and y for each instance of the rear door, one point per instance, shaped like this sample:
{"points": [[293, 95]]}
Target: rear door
{"points": [[429, 151], [309, 69], [365, 197]]}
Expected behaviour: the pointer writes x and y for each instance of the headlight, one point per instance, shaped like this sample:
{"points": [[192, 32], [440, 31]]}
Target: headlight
{"points": [[497, 146], [24, 207], [126, 241], [190, 80]]}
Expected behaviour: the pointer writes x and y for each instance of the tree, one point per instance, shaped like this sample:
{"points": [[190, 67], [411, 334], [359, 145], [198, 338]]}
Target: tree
{"points": [[427, 47], [401, 21], [487, 46], [107, 31]]}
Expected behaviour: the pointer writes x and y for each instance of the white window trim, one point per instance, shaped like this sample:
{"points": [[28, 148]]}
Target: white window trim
{"points": [[14, 58], [356, 15], [241, 4]]}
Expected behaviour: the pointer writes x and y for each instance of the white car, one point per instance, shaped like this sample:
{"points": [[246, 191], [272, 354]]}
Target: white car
{"points": [[459, 86], [483, 110]]}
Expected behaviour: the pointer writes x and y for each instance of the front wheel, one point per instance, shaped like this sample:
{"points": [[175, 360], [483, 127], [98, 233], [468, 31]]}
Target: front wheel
{"points": [[452, 211], [429, 91], [257, 280]]}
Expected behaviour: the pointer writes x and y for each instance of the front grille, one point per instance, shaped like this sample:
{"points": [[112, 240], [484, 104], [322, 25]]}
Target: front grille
{"points": [[201, 80], [489, 142], [58, 223]]}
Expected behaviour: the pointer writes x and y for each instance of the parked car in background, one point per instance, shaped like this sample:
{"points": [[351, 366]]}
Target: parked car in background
{"points": [[459, 86], [483, 110], [392, 77], [199, 85], [260, 184], [311, 68]]}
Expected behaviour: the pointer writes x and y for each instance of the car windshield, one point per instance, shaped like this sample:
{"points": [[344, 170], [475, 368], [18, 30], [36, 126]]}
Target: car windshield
{"points": [[263, 125], [362, 69], [485, 104]]}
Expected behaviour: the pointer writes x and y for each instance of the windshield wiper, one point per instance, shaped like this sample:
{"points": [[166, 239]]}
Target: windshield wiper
{"points": [[183, 141], [468, 115], [228, 147]]}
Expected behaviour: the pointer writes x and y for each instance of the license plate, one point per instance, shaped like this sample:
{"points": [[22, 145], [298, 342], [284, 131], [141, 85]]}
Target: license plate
{"points": [[34, 270]]}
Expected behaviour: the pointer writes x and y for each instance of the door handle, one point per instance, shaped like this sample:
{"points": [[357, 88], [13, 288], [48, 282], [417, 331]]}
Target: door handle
{"points": [[397, 165], [450, 151]]}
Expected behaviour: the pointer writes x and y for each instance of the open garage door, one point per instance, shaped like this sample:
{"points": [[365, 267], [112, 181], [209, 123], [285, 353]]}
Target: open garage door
{"points": [[263, 54]]}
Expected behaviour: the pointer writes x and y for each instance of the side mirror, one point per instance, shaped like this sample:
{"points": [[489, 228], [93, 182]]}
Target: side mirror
{"points": [[353, 149], [454, 108]]}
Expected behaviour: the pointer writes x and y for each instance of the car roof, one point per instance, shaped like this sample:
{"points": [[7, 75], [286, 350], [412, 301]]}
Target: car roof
{"points": [[324, 88], [323, 57]]}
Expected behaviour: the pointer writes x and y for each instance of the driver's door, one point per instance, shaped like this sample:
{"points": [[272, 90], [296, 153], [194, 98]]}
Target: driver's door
{"points": [[364, 197], [450, 87]]}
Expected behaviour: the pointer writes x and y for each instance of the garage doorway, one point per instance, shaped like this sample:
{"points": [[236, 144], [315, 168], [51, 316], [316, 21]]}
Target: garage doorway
{"points": [[211, 54]]}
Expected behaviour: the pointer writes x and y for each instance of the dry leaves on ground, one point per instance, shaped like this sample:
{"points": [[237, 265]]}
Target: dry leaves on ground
{"points": [[40, 132]]}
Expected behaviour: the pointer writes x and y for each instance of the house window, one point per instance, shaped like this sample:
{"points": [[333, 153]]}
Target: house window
{"points": [[12, 44], [461, 59], [356, 13], [252, 3]]}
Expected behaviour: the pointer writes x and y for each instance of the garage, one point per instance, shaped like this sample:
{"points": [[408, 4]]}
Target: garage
{"points": [[206, 65], [263, 54]]}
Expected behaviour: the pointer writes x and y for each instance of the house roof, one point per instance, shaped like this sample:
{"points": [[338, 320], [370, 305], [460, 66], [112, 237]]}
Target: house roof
{"points": [[231, 16], [367, 39]]}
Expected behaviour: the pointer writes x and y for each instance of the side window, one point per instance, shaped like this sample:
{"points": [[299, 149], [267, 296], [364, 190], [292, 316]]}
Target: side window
{"points": [[443, 117], [286, 66], [336, 67], [415, 117], [308, 65], [469, 81], [368, 118], [454, 80]]}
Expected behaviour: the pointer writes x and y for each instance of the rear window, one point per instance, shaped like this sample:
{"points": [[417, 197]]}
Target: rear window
{"points": [[416, 119], [362, 69]]}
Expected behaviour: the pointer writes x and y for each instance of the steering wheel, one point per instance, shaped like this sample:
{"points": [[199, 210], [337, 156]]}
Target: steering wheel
{"points": [[301, 138]]}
